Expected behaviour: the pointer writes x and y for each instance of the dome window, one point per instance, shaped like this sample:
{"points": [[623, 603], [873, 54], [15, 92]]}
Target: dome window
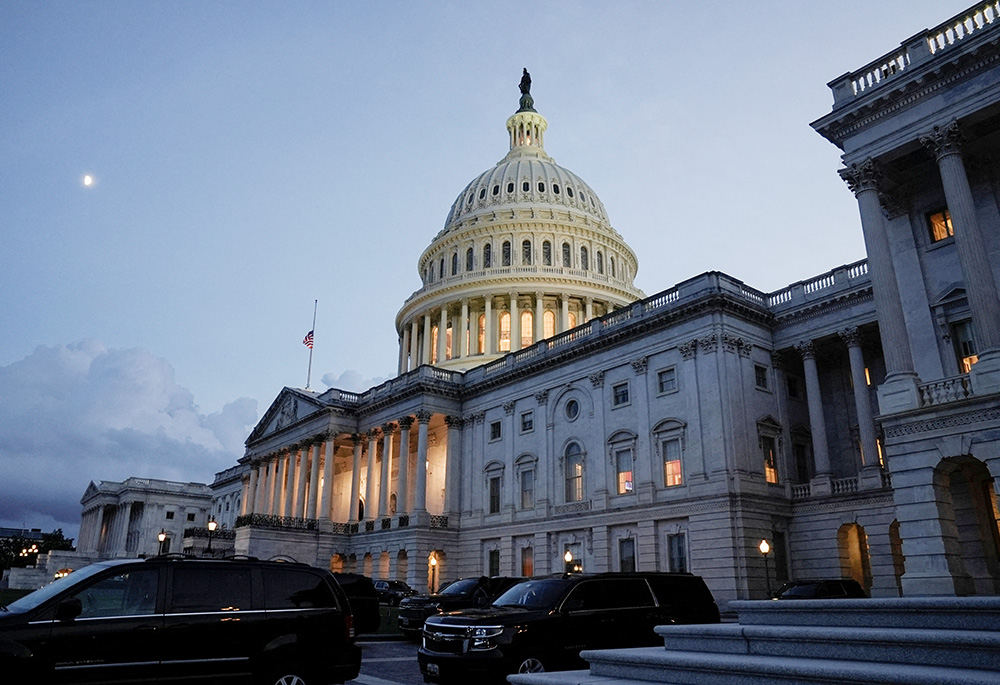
{"points": [[441, 270], [569, 191], [482, 193], [600, 262], [506, 253], [567, 262], [525, 186], [454, 263], [555, 188], [613, 275], [496, 190], [541, 187], [472, 196], [526, 252], [584, 259], [547, 254], [469, 259], [487, 256], [510, 187]]}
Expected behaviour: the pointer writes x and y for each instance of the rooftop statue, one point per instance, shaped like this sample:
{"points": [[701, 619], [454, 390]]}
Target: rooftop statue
{"points": [[527, 102]]}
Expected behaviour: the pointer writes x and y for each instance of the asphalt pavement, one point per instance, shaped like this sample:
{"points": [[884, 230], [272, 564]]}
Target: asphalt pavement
{"points": [[388, 662]]}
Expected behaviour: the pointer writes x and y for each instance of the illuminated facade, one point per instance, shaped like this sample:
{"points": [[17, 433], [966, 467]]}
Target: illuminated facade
{"points": [[545, 406]]}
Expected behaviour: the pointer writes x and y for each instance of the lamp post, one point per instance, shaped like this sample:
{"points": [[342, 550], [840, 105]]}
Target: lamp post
{"points": [[568, 558], [212, 525], [434, 563], [764, 549], [162, 537]]}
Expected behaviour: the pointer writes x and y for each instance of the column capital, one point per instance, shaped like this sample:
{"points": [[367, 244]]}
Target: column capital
{"points": [[424, 417], [389, 428], [861, 177], [851, 336], [373, 434], [944, 140], [406, 422], [807, 349], [454, 421], [777, 360], [357, 438]]}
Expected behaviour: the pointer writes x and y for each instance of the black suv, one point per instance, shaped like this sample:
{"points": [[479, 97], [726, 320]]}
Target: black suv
{"points": [[392, 591], [178, 619], [839, 588], [460, 594], [542, 624]]}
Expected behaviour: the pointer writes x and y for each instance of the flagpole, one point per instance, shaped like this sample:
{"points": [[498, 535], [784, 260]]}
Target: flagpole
{"points": [[313, 332]]}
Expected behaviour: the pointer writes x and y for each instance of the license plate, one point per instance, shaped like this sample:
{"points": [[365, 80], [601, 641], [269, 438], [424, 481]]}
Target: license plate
{"points": [[433, 669]]}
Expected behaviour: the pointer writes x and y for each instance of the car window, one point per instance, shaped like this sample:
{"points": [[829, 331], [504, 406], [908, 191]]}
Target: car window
{"points": [[460, 587], [210, 589], [534, 594], [36, 598], [680, 591], [831, 589], [132, 593], [296, 589], [610, 593]]}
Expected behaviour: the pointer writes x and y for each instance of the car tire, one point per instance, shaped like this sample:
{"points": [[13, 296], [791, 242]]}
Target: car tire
{"points": [[292, 674], [531, 664]]}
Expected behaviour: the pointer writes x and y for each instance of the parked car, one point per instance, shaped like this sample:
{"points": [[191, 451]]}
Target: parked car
{"points": [[838, 588], [178, 619], [361, 593], [542, 624], [392, 591], [460, 594]]}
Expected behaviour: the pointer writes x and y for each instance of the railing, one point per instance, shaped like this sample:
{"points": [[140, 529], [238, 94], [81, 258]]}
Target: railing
{"points": [[945, 390], [439, 521], [221, 534], [845, 486], [265, 521], [801, 491], [845, 275], [924, 46]]}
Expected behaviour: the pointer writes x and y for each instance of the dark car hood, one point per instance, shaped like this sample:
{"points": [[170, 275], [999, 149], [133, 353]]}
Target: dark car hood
{"points": [[490, 614]]}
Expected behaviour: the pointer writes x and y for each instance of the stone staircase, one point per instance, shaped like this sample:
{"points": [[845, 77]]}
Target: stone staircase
{"points": [[906, 641]]}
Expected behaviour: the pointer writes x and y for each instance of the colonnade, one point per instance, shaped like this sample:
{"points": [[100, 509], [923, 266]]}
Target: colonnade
{"points": [[491, 325], [298, 481]]}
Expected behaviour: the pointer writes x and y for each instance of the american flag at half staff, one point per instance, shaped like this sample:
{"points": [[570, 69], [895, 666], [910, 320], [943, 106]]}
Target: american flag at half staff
{"points": [[308, 340]]}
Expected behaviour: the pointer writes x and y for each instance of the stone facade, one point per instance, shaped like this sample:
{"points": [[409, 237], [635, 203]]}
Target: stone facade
{"points": [[851, 419]]}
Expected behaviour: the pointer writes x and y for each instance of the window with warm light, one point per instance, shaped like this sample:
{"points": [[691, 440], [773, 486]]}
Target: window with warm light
{"points": [[434, 344], [481, 343], [527, 329], [447, 346], [527, 562], [549, 323], [940, 226], [623, 469], [769, 448], [573, 458], [965, 345], [672, 474], [504, 339]]}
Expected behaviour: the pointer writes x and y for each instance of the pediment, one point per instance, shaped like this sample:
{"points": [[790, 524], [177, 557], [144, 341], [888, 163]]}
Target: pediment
{"points": [[289, 407], [955, 292]]}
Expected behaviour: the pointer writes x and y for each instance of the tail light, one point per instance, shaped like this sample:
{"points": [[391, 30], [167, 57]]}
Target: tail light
{"points": [[349, 626]]}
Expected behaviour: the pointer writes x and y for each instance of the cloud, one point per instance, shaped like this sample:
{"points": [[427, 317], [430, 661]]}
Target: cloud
{"points": [[80, 412], [351, 380]]}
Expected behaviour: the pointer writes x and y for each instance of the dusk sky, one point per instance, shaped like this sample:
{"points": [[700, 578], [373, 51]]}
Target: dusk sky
{"points": [[248, 158]]}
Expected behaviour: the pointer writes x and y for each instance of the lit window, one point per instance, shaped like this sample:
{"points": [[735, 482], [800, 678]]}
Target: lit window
{"points": [[527, 329], [434, 344], [666, 380], [760, 376], [940, 225], [505, 332], [620, 392], [481, 343], [770, 458], [549, 323], [527, 562], [623, 468], [527, 422], [672, 462], [965, 345], [495, 430], [572, 319], [868, 376], [448, 354], [574, 473]]}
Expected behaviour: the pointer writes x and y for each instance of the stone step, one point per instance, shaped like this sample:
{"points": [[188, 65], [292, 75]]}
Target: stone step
{"points": [[653, 664], [932, 613], [958, 648]]}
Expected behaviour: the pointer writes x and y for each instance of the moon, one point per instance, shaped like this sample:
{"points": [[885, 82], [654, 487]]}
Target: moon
{"points": [[88, 180]]}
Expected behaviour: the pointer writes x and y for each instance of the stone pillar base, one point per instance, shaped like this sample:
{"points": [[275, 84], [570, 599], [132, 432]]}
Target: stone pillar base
{"points": [[985, 374], [821, 485], [899, 393], [925, 584], [870, 478]]}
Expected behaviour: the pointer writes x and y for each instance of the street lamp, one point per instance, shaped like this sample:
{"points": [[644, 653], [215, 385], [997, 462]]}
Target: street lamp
{"points": [[764, 549], [434, 563], [568, 558], [162, 537], [212, 525]]}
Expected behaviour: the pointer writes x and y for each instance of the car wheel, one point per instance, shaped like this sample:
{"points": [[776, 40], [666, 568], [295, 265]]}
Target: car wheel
{"points": [[531, 665], [290, 675]]}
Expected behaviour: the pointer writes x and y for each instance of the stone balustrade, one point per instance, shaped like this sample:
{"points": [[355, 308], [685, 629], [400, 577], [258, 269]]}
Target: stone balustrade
{"points": [[945, 390]]}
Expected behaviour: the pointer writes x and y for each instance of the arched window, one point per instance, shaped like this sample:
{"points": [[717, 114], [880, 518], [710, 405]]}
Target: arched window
{"points": [[487, 256], [469, 259], [506, 253], [434, 344], [613, 275], [481, 344], [526, 252], [583, 259], [572, 319], [567, 258], [574, 472], [600, 262], [547, 253], [454, 263], [447, 344], [549, 323], [527, 330], [504, 340], [441, 269]]}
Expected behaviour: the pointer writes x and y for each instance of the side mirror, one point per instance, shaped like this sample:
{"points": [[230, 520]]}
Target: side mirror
{"points": [[69, 609]]}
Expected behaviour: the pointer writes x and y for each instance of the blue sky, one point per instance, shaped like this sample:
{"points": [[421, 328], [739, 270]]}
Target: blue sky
{"points": [[251, 157]]}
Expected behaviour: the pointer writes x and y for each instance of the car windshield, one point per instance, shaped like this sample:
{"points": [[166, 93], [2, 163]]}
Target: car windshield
{"points": [[34, 599], [460, 587], [805, 590], [533, 594]]}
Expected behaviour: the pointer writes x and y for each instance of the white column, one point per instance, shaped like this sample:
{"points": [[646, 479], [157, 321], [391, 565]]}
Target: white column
{"points": [[453, 467], [404, 346], [564, 312], [288, 481], [386, 486], [302, 461], [370, 492], [425, 357], [862, 404], [402, 488], [251, 493], [313, 479], [539, 318], [460, 348], [420, 485], [352, 507], [589, 304], [273, 499], [414, 344], [325, 505], [490, 343], [515, 324], [817, 423], [442, 350]]}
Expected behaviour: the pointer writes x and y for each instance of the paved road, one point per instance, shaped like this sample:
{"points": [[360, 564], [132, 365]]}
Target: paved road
{"points": [[388, 663]]}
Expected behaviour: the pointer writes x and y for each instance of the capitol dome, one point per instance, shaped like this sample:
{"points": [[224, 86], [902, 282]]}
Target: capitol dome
{"points": [[527, 252]]}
